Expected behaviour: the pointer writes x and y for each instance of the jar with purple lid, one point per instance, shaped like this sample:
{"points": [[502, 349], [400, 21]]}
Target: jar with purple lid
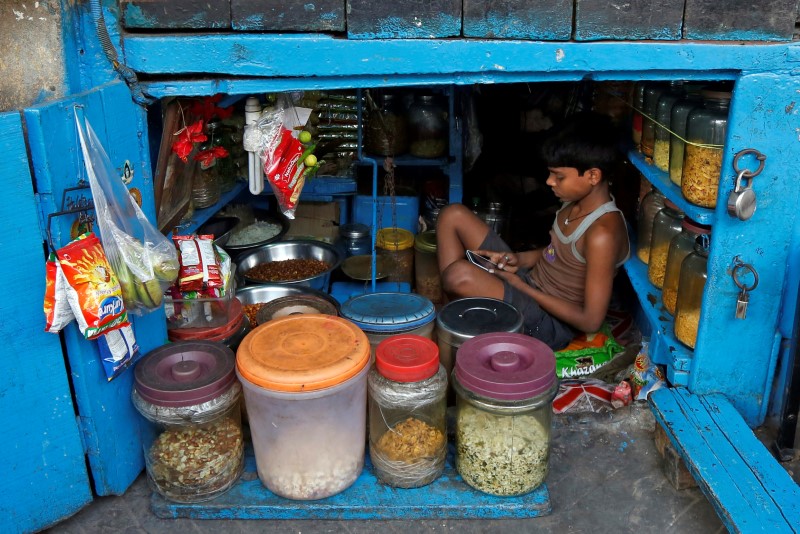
{"points": [[505, 384], [189, 397]]}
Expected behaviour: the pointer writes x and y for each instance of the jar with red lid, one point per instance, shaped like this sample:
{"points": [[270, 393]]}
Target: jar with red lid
{"points": [[189, 397], [505, 384], [407, 430]]}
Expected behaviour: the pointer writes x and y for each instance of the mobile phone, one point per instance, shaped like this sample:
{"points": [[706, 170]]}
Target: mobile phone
{"points": [[481, 261]]}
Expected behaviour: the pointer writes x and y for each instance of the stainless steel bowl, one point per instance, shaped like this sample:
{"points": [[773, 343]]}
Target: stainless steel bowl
{"points": [[237, 251], [264, 293], [291, 250]]}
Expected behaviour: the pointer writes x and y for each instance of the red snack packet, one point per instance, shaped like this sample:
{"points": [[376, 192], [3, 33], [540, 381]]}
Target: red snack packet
{"points": [[57, 311], [200, 267], [93, 290], [285, 171]]}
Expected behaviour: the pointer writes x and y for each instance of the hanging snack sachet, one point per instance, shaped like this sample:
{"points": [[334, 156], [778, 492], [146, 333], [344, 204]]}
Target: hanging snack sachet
{"points": [[199, 265], [57, 311]]}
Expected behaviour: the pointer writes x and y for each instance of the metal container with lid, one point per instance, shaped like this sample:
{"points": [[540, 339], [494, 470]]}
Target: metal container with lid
{"points": [[295, 305], [192, 433], [466, 318], [305, 388], [505, 384], [355, 239], [381, 315], [407, 429]]}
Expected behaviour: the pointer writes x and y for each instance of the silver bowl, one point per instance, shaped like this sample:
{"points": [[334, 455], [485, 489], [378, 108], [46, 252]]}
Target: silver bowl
{"points": [[265, 293], [291, 250]]}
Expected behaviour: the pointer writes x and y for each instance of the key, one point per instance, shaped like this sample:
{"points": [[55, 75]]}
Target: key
{"points": [[741, 304]]}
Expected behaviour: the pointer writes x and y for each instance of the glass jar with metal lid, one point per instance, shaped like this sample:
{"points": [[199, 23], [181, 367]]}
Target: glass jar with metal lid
{"points": [[651, 204], [652, 92], [355, 239], [407, 429], [666, 225], [706, 129], [691, 284], [677, 123], [381, 315], [681, 246], [428, 281], [662, 130], [428, 128], [386, 130], [397, 245], [505, 384], [305, 387], [189, 397]]}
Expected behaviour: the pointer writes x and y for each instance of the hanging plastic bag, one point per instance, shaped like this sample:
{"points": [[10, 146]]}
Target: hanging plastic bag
{"points": [[144, 260], [287, 161], [57, 310]]}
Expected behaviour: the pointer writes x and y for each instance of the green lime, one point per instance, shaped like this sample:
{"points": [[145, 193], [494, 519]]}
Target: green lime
{"points": [[304, 136], [310, 160]]}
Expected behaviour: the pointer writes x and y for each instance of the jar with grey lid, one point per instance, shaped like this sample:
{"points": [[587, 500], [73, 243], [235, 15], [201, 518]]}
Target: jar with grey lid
{"points": [[355, 239]]}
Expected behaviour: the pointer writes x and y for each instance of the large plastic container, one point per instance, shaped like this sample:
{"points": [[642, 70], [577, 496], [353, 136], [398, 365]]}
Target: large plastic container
{"points": [[381, 315], [403, 212], [305, 390], [505, 384]]}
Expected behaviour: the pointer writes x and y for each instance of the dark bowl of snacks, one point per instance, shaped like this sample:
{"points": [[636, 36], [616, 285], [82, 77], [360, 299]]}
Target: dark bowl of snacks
{"points": [[250, 234], [302, 262], [255, 298]]}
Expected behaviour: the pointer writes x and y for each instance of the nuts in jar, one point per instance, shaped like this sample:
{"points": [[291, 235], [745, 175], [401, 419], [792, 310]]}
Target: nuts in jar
{"points": [[701, 170]]}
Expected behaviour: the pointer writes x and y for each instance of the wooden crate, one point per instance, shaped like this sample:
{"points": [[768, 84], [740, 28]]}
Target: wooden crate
{"points": [[176, 14], [629, 20], [549, 20], [288, 15], [740, 20], [403, 19]]}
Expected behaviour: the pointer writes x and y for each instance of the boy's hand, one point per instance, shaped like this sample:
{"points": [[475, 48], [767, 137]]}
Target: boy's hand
{"points": [[506, 261]]}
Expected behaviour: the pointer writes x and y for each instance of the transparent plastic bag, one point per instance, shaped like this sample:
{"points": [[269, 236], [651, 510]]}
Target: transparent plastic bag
{"points": [[144, 260]]}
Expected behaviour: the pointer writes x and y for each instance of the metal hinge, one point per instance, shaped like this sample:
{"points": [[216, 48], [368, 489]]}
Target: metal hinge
{"points": [[88, 436]]}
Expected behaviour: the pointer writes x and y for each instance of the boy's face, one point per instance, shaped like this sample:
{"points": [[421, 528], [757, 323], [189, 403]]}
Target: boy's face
{"points": [[569, 185]]}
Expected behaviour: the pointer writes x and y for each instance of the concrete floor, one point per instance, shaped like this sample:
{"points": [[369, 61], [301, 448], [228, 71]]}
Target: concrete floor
{"points": [[605, 476]]}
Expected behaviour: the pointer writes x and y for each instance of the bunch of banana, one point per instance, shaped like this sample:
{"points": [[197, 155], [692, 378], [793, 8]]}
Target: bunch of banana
{"points": [[144, 273]]}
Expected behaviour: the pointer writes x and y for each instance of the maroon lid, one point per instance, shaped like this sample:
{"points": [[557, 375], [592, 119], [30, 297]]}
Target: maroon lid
{"points": [[235, 314], [185, 373], [505, 366], [695, 227]]}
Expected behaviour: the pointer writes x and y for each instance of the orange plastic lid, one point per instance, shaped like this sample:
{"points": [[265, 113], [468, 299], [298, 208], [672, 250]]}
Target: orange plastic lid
{"points": [[306, 352]]}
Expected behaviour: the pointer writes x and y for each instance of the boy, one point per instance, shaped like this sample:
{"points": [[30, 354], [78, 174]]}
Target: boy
{"points": [[564, 288]]}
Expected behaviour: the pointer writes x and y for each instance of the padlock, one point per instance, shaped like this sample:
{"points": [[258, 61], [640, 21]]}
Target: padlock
{"points": [[742, 200]]}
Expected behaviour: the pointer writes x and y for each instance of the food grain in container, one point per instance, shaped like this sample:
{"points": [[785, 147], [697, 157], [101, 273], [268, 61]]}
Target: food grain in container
{"points": [[191, 432], [505, 384], [381, 315], [397, 245], [407, 429], [253, 298], [466, 318], [428, 281], [305, 388], [301, 262]]}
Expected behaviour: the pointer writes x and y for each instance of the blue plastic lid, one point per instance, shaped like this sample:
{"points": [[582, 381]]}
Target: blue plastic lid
{"points": [[387, 312]]}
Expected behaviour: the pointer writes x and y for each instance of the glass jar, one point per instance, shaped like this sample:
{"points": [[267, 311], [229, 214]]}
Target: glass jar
{"points": [[652, 92], [206, 187], [386, 130], [677, 123], [382, 315], [407, 429], [680, 247], [691, 284], [495, 217], [396, 244], [355, 239], [638, 106], [224, 136], [305, 388], [651, 204], [192, 436], [427, 280], [666, 225], [504, 385], [706, 128], [428, 128], [662, 130]]}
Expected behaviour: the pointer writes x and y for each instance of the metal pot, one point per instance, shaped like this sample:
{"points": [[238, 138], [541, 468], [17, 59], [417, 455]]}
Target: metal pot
{"points": [[289, 250]]}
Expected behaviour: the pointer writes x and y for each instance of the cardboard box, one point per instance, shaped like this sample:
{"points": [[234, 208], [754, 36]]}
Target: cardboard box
{"points": [[319, 220]]}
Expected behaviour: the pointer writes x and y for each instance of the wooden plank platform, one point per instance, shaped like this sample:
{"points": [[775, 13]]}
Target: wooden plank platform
{"points": [[748, 488], [448, 497]]}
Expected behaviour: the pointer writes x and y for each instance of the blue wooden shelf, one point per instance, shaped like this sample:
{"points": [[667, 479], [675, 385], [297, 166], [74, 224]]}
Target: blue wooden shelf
{"points": [[663, 349], [409, 161], [202, 215], [661, 181], [448, 497]]}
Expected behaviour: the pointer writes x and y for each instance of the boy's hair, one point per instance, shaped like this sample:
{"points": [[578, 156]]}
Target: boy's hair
{"points": [[584, 140]]}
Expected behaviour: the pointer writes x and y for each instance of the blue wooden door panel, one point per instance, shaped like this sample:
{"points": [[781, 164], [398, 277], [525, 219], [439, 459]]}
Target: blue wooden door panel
{"points": [[107, 414], [44, 477]]}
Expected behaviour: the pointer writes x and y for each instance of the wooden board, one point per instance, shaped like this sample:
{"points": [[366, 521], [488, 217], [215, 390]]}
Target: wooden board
{"points": [[633, 19], [404, 19], [288, 15], [739, 20], [176, 14], [518, 19]]}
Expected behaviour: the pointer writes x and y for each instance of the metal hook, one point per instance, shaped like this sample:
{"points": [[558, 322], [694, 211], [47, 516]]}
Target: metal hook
{"points": [[744, 172], [739, 265]]}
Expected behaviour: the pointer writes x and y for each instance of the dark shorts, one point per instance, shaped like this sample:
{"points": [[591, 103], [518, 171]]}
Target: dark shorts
{"points": [[536, 322]]}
